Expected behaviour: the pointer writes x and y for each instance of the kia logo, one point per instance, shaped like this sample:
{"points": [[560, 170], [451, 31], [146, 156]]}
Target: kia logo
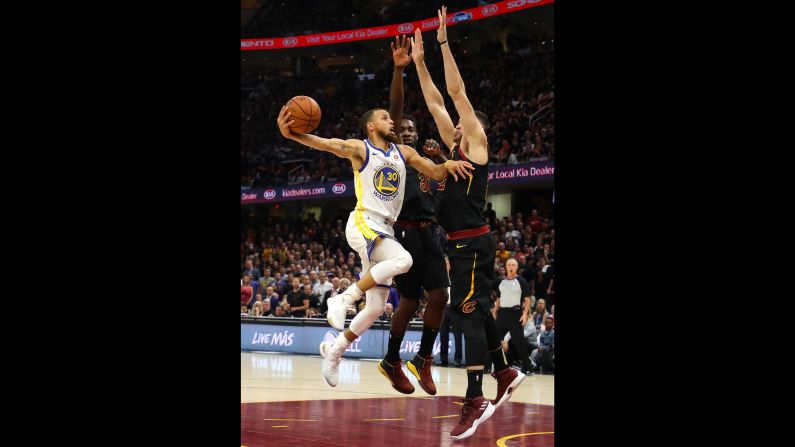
{"points": [[490, 9], [290, 41], [269, 194], [339, 188], [405, 28]]}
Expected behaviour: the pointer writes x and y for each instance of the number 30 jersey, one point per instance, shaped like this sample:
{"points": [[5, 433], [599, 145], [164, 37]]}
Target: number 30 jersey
{"points": [[380, 183]]}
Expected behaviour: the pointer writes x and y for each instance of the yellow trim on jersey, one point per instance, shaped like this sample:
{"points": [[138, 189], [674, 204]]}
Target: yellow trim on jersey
{"points": [[470, 183], [472, 287], [358, 217], [357, 187], [362, 225]]}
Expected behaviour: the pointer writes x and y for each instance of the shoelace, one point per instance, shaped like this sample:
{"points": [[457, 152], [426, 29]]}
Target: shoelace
{"points": [[466, 410]]}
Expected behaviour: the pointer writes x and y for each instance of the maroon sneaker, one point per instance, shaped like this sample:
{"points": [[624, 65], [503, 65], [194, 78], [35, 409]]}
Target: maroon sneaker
{"points": [[394, 373], [420, 366], [474, 412], [507, 381]]}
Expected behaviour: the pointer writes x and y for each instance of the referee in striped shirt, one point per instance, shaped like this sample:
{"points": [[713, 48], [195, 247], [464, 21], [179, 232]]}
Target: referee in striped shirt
{"points": [[513, 309]]}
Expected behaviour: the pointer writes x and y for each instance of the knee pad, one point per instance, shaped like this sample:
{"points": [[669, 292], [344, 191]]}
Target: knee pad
{"points": [[474, 342]]}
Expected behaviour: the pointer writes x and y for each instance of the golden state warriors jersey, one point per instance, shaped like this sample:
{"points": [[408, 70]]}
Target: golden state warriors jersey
{"points": [[380, 183]]}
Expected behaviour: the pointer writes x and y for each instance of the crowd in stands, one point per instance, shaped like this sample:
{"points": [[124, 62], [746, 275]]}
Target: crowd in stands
{"points": [[291, 269], [514, 88], [298, 265], [291, 18]]}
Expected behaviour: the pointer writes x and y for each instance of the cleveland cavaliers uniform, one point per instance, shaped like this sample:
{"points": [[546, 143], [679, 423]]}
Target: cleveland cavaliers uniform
{"points": [[416, 232], [470, 246], [379, 186]]}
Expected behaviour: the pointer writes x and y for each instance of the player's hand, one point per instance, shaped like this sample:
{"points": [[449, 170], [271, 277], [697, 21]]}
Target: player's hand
{"points": [[523, 319], [417, 50], [285, 122], [431, 148], [459, 167], [400, 52], [441, 33]]}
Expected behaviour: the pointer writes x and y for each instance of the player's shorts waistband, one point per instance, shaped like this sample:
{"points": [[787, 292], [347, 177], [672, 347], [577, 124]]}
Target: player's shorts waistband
{"points": [[479, 231]]}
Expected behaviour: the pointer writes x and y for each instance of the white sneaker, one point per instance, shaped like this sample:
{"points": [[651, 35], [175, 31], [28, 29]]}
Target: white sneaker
{"points": [[337, 310], [324, 345], [332, 352]]}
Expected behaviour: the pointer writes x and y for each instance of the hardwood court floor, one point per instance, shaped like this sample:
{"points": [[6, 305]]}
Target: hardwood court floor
{"points": [[286, 402]]}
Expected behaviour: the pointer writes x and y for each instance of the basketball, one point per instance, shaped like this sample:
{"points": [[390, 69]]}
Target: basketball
{"points": [[306, 113]]}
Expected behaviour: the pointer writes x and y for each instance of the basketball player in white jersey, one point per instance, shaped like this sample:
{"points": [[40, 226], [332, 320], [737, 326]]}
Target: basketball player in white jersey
{"points": [[379, 169]]}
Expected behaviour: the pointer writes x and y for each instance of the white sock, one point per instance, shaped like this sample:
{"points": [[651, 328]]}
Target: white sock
{"points": [[342, 340], [353, 297]]}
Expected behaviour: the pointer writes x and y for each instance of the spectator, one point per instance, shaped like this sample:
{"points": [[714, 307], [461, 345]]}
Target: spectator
{"points": [[251, 271], [319, 290], [502, 253], [266, 279], [313, 299], [272, 297], [257, 307], [540, 315], [297, 300], [266, 309], [512, 232], [280, 285], [543, 356], [246, 291]]}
